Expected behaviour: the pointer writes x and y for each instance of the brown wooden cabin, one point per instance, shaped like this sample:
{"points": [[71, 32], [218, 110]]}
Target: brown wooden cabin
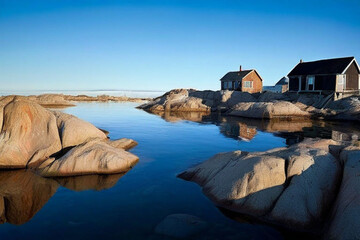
{"points": [[242, 80], [337, 75]]}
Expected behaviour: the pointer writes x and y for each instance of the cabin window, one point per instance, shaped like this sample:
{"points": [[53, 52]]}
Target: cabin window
{"points": [[248, 84], [236, 84], [311, 83]]}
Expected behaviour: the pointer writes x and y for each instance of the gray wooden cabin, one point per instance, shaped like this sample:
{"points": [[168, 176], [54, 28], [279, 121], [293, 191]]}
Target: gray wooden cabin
{"points": [[338, 75]]}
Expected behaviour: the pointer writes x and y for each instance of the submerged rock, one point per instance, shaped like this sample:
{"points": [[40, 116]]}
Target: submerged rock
{"points": [[292, 187], [89, 158], [29, 134], [180, 226]]}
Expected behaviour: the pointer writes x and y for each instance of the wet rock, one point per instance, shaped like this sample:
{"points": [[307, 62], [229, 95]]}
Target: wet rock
{"points": [[94, 157], [29, 134], [74, 131], [180, 226], [280, 109]]}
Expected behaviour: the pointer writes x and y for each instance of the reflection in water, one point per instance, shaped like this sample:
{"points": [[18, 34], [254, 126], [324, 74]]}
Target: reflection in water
{"points": [[180, 116], [293, 131], [89, 182], [23, 193]]}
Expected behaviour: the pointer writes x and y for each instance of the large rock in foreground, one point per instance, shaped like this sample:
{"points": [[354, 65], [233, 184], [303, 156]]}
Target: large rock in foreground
{"points": [[346, 211], [88, 158], [59, 144], [29, 134], [292, 187]]}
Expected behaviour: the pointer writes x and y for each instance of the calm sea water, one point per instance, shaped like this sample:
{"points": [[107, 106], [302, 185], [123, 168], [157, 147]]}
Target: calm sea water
{"points": [[130, 206]]}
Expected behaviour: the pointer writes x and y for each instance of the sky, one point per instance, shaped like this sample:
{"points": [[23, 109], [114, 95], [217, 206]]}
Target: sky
{"points": [[166, 44]]}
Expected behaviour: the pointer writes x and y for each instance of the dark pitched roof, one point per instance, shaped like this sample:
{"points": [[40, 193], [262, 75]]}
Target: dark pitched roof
{"points": [[283, 81], [327, 66], [235, 76]]}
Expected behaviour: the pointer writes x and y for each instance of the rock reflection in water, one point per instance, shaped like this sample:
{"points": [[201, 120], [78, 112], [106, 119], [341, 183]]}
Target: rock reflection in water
{"points": [[293, 131], [23, 193], [89, 182], [180, 116]]}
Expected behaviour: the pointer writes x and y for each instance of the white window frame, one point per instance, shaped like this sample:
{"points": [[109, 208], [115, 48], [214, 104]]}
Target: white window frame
{"points": [[250, 84]]}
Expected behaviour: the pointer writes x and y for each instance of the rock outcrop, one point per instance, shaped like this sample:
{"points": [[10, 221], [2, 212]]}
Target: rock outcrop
{"points": [[29, 134], [74, 131], [346, 211], [57, 144], [293, 187], [89, 158], [268, 110], [259, 105]]}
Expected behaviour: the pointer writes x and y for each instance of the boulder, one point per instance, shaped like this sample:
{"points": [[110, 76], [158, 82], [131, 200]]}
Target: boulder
{"points": [[247, 183], [180, 226], [94, 157], [74, 131], [313, 175], [231, 98], [280, 109], [345, 222], [29, 134], [187, 105], [123, 143], [292, 187]]}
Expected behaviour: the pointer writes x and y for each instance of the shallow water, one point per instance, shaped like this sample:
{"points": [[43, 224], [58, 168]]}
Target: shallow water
{"points": [[129, 206]]}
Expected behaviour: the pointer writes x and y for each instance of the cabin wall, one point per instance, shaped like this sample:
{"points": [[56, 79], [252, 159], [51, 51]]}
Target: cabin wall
{"points": [[257, 83], [325, 82], [352, 77], [293, 84]]}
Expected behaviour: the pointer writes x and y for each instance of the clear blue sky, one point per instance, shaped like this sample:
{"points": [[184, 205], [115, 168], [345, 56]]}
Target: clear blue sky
{"points": [[160, 45]]}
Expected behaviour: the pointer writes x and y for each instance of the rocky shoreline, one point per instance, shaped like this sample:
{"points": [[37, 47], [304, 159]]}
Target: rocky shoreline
{"points": [[55, 144], [312, 186], [265, 105], [62, 100]]}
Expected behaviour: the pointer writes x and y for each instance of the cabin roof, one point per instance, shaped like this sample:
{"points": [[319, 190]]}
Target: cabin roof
{"points": [[237, 75], [283, 81], [326, 66]]}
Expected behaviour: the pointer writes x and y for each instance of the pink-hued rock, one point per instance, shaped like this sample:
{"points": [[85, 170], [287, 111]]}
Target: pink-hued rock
{"points": [[29, 134], [94, 157]]}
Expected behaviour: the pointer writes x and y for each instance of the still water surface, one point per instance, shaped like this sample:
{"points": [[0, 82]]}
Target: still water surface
{"points": [[129, 206]]}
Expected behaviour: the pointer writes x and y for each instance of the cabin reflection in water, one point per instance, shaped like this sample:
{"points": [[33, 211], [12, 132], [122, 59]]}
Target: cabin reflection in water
{"points": [[245, 129]]}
